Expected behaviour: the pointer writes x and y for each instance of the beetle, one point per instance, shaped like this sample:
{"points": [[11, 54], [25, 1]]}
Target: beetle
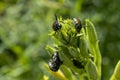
{"points": [[78, 24], [78, 64], [56, 25], [55, 62]]}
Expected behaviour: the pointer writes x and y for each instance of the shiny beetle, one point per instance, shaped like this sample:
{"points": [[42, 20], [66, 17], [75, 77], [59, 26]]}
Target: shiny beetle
{"points": [[55, 62], [78, 64], [77, 24], [56, 25]]}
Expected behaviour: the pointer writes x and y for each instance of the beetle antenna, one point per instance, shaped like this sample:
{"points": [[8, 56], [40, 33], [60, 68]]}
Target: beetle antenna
{"points": [[56, 17]]}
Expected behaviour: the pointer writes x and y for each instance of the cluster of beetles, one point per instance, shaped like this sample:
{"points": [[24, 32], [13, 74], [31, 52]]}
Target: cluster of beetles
{"points": [[55, 62]]}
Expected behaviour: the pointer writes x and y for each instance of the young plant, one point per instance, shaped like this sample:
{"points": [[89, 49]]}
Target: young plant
{"points": [[75, 51]]}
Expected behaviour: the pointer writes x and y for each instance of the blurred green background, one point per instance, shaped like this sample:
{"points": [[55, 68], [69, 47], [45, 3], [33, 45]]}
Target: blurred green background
{"points": [[25, 25]]}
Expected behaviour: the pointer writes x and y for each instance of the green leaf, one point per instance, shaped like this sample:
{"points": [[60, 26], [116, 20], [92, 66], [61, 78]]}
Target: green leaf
{"points": [[67, 72], [92, 70], [50, 49], [93, 44], [92, 36], [116, 74]]}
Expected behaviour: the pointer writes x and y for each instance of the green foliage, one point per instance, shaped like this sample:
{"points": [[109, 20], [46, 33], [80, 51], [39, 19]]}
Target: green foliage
{"points": [[24, 28], [116, 73], [92, 71], [75, 49]]}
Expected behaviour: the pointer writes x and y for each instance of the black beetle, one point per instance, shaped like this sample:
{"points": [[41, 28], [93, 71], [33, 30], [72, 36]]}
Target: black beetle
{"points": [[78, 64], [55, 62], [77, 24], [56, 25]]}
